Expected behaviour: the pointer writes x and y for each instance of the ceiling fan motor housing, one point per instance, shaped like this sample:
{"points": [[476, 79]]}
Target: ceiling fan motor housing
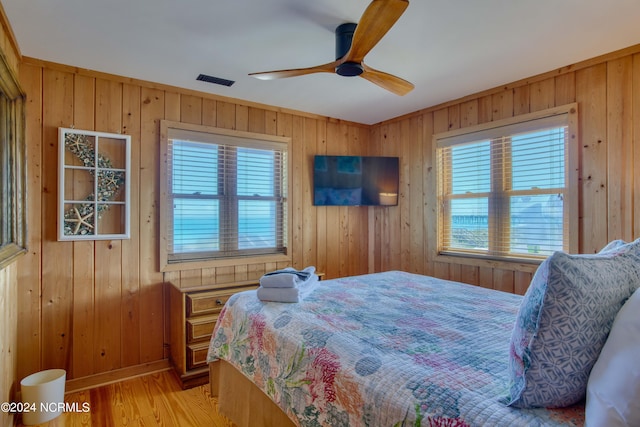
{"points": [[344, 36]]}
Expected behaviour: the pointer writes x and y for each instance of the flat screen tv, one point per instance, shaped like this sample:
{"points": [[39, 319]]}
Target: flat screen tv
{"points": [[355, 181]]}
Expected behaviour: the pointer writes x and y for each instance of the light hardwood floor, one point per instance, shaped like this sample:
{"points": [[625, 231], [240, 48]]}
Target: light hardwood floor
{"points": [[152, 400]]}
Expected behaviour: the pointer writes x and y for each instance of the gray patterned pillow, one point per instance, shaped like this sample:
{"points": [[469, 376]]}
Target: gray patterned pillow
{"points": [[563, 323]]}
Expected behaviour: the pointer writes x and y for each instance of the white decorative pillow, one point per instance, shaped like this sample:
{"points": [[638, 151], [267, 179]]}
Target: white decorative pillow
{"points": [[613, 391], [563, 323]]}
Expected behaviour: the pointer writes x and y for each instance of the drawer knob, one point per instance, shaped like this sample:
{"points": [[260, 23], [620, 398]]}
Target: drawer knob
{"points": [[219, 302]]}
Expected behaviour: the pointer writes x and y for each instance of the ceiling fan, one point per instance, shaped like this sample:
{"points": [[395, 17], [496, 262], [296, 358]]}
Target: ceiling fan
{"points": [[353, 42]]}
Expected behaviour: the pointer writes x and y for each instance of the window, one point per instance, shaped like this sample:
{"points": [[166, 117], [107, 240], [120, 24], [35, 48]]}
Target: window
{"points": [[225, 194], [13, 212], [507, 190]]}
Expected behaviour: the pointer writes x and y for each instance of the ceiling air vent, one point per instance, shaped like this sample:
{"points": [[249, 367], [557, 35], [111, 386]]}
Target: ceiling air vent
{"points": [[216, 80]]}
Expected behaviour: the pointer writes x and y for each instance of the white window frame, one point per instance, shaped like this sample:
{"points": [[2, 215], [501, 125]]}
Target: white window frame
{"points": [[168, 130], [563, 115]]}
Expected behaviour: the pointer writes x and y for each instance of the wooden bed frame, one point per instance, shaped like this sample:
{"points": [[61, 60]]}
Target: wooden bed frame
{"points": [[242, 401]]}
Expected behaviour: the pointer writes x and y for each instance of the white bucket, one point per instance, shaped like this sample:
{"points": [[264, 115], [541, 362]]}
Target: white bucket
{"points": [[42, 394]]}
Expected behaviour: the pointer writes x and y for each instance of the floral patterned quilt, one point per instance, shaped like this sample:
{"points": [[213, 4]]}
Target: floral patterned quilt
{"points": [[385, 349]]}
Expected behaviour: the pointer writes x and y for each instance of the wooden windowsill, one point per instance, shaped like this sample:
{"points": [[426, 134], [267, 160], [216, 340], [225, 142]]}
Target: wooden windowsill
{"points": [[529, 266]]}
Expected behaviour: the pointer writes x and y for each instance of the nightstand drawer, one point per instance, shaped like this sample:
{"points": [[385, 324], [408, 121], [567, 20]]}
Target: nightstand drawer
{"points": [[200, 328], [211, 302], [197, 355], [206, 302]]}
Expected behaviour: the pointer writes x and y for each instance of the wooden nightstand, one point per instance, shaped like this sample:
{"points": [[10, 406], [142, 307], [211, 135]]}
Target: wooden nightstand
{"points": [[193, 314]]}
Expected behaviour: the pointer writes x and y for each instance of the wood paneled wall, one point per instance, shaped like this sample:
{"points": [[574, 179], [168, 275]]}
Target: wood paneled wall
{"points": [[607, 90], [9, 379], [95, 307], [8, 339]]}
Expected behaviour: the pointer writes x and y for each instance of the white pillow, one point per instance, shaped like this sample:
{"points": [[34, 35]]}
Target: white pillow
{"points": [[613, 391]]}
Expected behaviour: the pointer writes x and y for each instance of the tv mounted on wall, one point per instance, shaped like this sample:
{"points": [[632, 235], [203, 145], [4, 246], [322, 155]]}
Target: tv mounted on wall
{"points": [[355, 181]]}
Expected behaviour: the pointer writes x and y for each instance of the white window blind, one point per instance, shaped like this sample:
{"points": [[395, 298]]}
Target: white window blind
{"points": [[226, 196], [502, 191]]}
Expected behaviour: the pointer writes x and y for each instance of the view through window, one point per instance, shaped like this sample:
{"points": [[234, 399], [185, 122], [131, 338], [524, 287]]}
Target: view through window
{"points": [[226, 196], [503, 192]]}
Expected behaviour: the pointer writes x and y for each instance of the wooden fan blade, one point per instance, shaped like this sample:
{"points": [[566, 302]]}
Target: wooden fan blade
{"points": [[387, 81], [375, 22], [280, 74]]}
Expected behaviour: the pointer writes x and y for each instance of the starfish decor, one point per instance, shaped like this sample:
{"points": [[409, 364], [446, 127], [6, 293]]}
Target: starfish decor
{"points": [[80, 220]]}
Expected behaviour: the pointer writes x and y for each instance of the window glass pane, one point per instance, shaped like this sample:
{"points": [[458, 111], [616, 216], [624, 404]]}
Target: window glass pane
{"points": [[196, 225], [5, 193], [256, 224], [470, 224], [536, 224], [538, 159], [471, 168], [195, 168], [255, 172]]}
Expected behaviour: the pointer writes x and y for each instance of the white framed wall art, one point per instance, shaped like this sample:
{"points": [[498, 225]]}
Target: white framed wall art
{"points": [[93, 185]]}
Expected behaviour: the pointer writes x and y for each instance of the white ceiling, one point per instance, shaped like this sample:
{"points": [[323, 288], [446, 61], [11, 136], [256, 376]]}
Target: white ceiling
{"points": [[447, 48]]}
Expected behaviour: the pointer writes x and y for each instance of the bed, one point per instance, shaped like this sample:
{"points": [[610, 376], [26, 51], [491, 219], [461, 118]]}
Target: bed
{"points": [[384, 349]]}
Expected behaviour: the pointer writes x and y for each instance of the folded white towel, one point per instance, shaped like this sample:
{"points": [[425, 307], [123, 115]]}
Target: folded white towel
{"points": [[279, 294], [287, 277], [293, 294], [279, 281]]}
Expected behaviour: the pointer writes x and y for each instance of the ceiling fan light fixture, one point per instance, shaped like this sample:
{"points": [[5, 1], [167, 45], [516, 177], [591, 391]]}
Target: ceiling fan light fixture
{"points": [[349, 69]]}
